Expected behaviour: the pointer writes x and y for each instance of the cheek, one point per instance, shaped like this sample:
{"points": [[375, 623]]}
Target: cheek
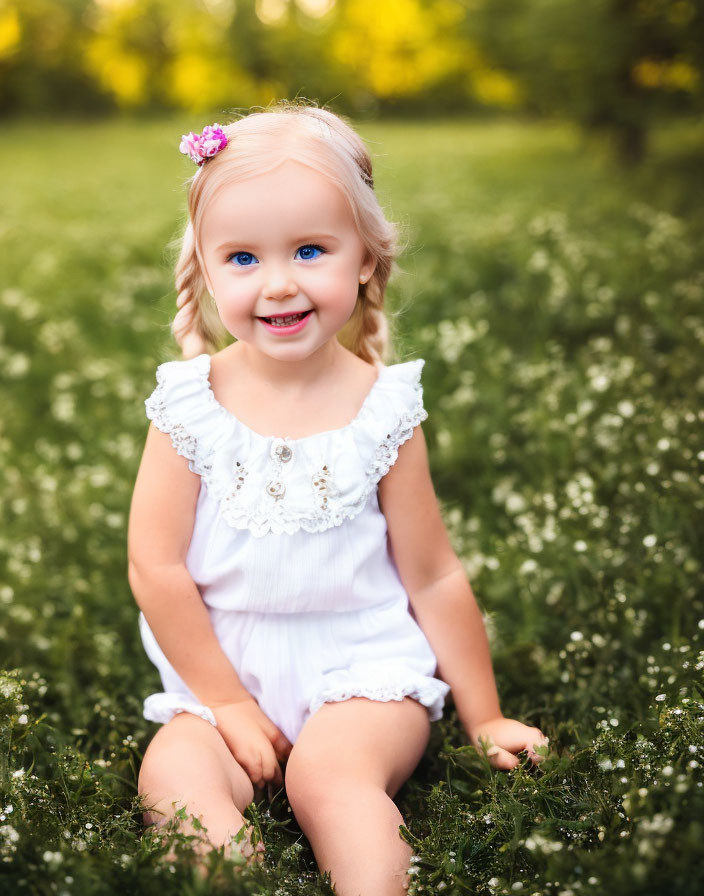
{"points": [[232, 302], [342, 278], [231, 288]]}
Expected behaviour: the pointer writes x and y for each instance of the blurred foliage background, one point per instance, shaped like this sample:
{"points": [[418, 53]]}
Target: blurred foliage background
{"points": [[615, 65], [557, 299]]}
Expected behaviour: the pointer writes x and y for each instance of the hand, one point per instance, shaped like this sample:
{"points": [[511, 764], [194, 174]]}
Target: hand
{"points": [[504, 738], [253, 739]]}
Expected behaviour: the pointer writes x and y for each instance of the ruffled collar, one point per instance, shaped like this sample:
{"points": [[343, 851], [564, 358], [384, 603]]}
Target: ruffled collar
{"points": [[273, 484]]}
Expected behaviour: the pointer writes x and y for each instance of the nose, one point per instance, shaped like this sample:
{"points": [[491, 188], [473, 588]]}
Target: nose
{"points": [[278, 282]]}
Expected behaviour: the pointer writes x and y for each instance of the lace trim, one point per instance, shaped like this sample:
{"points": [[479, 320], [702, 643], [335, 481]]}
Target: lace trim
{"points": [[387, 451], [277, 519], [430, 693], [274, 516], [183, 441]]}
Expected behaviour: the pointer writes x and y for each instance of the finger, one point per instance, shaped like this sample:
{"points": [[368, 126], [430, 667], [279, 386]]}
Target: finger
{"points": [[532, 754], [253, 766], [502, 759], [271, 770], [282, 746], [515, 738], [278, 739], [538, 739]]}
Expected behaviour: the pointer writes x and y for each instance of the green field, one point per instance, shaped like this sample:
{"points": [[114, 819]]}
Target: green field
{"points": [[558, 302]]}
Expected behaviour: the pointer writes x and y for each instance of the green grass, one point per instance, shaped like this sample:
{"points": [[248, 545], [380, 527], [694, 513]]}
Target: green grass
{"points": [[558, 303]]}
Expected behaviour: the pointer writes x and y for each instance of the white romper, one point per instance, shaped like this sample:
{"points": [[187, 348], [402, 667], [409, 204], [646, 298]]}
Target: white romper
{"points": [[289, 552]]}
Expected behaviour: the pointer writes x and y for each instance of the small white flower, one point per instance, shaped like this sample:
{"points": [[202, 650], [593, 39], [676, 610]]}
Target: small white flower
{"points": [[660, 698], [650, 541], [17, 365], [515, 503], [580, 546]]}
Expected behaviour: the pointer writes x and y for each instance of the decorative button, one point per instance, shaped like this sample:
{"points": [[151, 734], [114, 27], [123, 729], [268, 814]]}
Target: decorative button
{"points": [[275, 488], [323, 485], [281, 451], [284, 453]]}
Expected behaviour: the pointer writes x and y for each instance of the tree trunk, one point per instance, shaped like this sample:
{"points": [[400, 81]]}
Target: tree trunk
{"points": [[631, 143]]}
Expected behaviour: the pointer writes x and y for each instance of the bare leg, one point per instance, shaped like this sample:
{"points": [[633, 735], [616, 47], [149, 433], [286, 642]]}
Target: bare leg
{"points": [[188, 764], [347, 764]]}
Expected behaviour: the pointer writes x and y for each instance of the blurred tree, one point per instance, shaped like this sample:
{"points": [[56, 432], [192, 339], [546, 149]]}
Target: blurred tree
{"points": [[404, 49], [615, 65], [123, 48], [205, 54], [612, 64], [41, 62]]}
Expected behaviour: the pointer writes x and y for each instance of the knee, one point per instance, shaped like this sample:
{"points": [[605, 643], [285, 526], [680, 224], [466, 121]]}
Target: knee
{"points": [[167, 761], [316, 787], [176, 767], [153, 774], [307, 783]]}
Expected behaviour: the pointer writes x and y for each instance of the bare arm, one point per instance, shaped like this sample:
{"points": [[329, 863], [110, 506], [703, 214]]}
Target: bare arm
{"points": [[160, 528], [442, 598]]}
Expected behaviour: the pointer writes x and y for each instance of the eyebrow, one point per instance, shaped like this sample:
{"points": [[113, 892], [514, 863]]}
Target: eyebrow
{"points": [[303, 241]]}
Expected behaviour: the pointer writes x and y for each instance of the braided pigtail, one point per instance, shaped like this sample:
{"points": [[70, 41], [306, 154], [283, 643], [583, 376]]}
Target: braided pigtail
{"points": [[367, 333], [374, 335], [196, 326]]}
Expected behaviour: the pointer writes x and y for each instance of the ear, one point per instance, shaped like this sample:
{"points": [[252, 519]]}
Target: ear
{"points": [[367, 269]]}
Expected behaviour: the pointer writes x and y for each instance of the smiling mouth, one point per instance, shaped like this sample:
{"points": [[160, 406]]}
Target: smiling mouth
{"points": [[286, 320]]}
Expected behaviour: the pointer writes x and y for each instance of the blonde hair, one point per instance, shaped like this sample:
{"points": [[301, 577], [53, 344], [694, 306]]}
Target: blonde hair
{"points": [[256, 143]]}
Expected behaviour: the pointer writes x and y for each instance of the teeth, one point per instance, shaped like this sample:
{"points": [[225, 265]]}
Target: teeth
{"points": [[286, 321]]}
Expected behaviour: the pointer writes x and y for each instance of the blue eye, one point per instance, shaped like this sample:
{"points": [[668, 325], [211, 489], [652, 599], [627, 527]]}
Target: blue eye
{"points": [[243, 259], [307, 253]]}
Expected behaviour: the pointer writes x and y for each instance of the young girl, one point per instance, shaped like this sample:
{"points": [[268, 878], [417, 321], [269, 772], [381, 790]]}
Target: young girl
{"points": [[284, 516]]}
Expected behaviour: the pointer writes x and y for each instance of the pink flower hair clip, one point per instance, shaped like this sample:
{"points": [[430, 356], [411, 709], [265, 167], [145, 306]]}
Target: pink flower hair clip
{"points": [[200, 147]]}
